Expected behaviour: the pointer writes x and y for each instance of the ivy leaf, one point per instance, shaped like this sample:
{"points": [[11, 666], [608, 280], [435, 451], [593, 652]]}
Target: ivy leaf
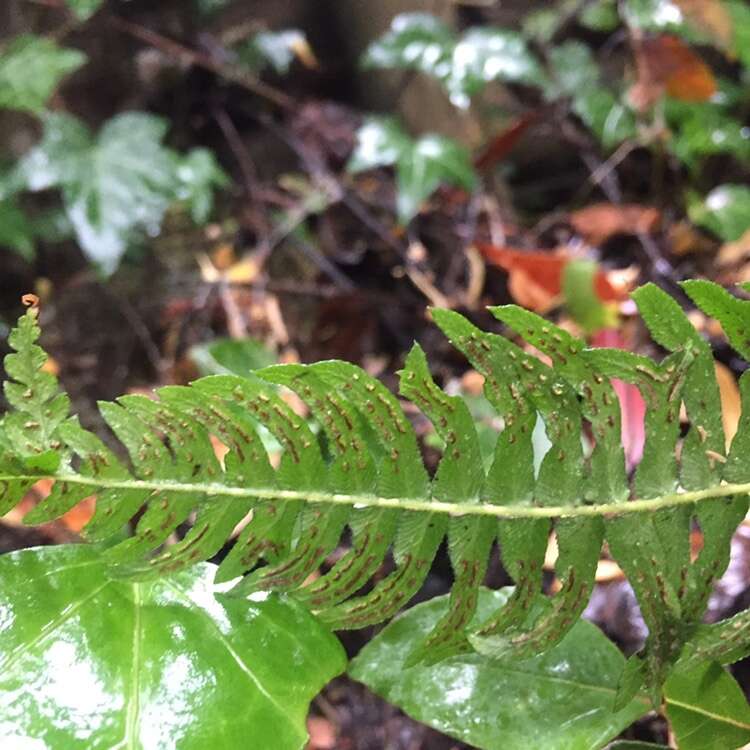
{"points": [[84, 9], [707, 709], [488, 54], [88, 661], [419, 41], [198, 173], [566, 694], [113, 184], [725, 211], [275, 48], [432, 161], [415, 41], [577, 77], [31, 68], [15, 230], [381, 142], [421, 166], [702, 129]]}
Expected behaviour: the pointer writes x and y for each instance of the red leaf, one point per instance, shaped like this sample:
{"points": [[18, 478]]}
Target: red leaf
{"points": [[544, 269], [501, 145], [632, 405]]}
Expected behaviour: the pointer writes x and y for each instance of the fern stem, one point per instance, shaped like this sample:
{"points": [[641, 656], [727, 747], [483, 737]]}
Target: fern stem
{"points": [[401, 503]]}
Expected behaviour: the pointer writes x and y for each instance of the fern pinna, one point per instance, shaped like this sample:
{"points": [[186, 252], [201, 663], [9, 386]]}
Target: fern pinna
{"points": [[356, 463]]}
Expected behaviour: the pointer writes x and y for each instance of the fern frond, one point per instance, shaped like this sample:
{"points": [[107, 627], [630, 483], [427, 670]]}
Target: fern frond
{"points": [[355, 463]]}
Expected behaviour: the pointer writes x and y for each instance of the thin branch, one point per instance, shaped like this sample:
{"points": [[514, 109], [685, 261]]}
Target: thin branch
{"points": [[192, 57], [606, 510]]}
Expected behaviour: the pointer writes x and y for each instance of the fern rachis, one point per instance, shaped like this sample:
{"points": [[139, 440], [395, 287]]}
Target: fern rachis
{"points": [[363, 470]]}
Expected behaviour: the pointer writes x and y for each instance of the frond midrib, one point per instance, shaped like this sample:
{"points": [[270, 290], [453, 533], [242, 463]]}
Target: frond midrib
{"points": [[214, 489]]}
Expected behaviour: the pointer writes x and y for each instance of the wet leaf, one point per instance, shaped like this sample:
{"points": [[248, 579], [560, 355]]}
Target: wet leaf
{"points": [[31, 67], [421, 165], [114, 185], [232, 356], [707, 709], [725, 211], [91, 662], [703, 129], [562, 699], [432, 161], [198, 174], [536, 276], [419, 41], [577, 76], [277, 49]]}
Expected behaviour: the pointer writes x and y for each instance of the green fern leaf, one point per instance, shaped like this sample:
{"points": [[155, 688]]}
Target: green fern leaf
{"points": [[355, 466]]}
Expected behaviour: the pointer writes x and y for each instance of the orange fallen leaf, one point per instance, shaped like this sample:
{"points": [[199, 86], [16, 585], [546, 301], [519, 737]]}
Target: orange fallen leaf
{"points": [[665, 64], [535, 276], [600, 221]]}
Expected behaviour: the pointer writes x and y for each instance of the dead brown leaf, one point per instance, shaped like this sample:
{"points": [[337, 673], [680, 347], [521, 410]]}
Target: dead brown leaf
{"points": [[665, 64], [730, 401], [600, 221]]}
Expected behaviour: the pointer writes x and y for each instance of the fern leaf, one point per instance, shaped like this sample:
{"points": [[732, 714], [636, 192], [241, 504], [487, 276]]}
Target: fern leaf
{"points": [[355, 464]]}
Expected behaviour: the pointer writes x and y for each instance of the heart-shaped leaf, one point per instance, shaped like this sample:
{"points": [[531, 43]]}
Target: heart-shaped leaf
{"points": [[725, 211], [562, 699], [89, 662], [30, 69], [114, 184]]}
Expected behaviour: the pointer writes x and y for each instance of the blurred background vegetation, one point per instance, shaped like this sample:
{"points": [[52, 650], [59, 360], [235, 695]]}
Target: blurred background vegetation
{"points": [[197, 186]]}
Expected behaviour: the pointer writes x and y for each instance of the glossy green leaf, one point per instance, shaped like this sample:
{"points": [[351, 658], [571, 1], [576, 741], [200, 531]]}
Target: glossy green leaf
{"points": [[31, 68], [725, 211], [561, 700], [702, 129], [89, 662], [489, 54], [421, 165], [576, 75], [415, 41], [232, 356], [661, 16], [198, 175], [432, 161], [707, 709], [600, 15], [84, 9], [381, 142], [581, 298], [115, 185], [274, 48], [419, 41]]}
